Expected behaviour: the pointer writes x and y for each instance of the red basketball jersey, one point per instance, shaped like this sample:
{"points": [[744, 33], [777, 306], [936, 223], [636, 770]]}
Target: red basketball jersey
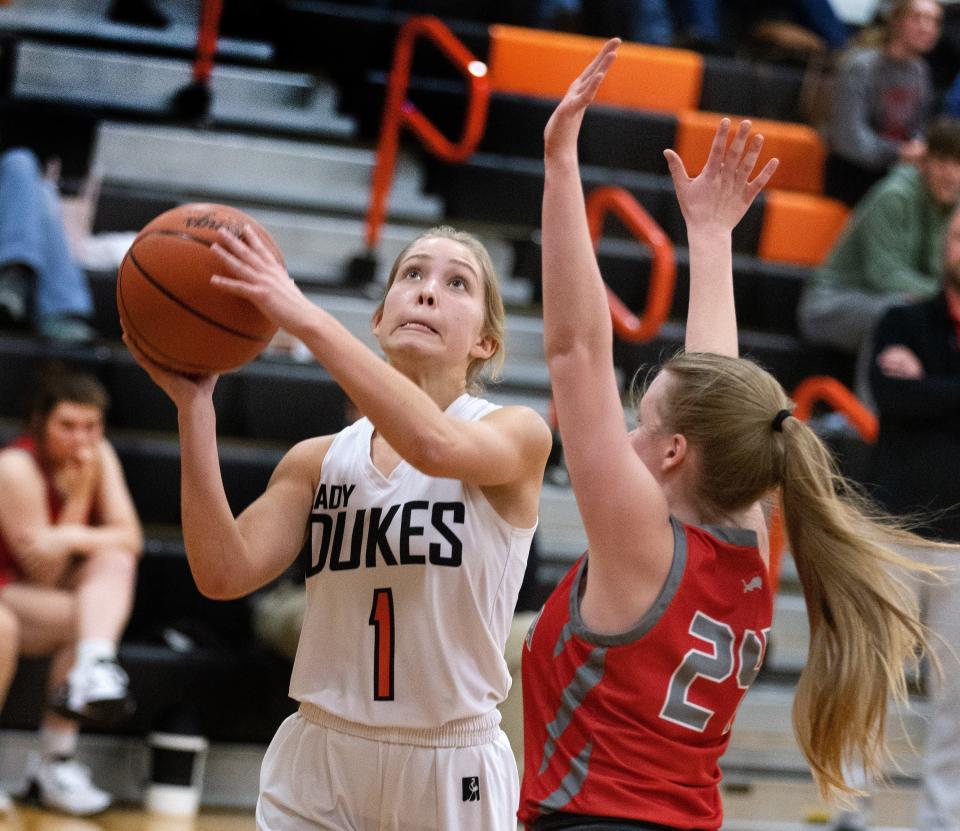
{"points": [[632, 726]]}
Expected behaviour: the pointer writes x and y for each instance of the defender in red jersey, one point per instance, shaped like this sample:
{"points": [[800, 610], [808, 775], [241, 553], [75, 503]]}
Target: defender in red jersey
{"points": [[634, 670], [646, 713]]}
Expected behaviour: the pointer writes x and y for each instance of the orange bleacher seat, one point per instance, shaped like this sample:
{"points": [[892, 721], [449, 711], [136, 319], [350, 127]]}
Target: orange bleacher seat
{"points": [[542, 63], [799, 148], [799, 228]]}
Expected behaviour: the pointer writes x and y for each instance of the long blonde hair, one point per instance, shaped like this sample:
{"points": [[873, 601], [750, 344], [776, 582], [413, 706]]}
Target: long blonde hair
{"points": [[864, 623], [494, 314]]}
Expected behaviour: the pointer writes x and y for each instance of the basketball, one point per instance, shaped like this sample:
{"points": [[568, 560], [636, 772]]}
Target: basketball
{"points": [[168, 307]]}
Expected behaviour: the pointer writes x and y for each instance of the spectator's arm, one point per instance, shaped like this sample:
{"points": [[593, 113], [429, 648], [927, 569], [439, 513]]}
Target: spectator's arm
{"points": [[118, 525], [851, 134], [42, 550]]}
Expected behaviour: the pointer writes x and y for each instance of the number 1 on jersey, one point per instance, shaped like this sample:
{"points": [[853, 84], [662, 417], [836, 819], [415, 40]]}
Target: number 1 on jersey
{"points": [[381, 619]]}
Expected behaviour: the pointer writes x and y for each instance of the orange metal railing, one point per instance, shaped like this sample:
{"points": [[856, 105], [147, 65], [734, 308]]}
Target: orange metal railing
{"points": [[820, 388], [399, 112], [207, 32], [609, 199], [831, 391], [627, 326]]}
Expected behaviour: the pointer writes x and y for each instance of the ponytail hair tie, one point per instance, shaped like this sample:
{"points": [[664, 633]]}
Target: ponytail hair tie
{"points": [[778, 419]]}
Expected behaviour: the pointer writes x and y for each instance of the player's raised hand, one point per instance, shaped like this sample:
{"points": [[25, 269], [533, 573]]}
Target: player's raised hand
{"points": [[564, 125], [718, 198]]}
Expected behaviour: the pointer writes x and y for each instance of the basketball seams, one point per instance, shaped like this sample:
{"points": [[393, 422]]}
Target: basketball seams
{"points": [[171, 296], [158, 356]]}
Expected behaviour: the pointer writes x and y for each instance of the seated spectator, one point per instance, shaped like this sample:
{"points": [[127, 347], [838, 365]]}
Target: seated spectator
{"points": [[881, 100], [915, 378], [69, 541], [40, 284], [890, 251]]}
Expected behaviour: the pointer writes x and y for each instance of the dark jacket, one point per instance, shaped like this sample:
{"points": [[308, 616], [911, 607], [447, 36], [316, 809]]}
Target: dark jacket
{"points": [[916, 462]]}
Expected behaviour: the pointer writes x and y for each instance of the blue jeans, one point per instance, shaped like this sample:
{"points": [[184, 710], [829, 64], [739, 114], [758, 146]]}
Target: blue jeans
{"points": [[31, 232]]}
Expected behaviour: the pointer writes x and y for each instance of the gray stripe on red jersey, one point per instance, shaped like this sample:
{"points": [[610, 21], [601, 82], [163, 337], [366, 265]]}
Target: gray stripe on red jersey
{"points": [[571, 783], [587, 676], [565, 634]]}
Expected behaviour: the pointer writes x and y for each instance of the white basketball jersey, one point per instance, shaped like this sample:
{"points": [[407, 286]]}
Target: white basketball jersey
{"points": [[411, 586]]}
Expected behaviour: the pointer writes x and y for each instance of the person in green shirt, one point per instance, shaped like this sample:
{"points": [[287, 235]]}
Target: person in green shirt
{"points": [[891, 250]]}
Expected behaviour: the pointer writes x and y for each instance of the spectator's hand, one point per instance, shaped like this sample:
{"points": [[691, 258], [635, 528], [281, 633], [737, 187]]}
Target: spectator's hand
{"points": [[181, 389], [913, 151], [900, 362], [560, 134], [719, 197], [77, 479]]}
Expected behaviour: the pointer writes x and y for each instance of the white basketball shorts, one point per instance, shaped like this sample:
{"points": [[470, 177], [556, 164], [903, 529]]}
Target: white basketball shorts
{"points": [[322, 773]]}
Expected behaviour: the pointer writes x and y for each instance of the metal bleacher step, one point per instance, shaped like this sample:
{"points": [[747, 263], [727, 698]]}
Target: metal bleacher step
{"points": [[85, 21], [242, 97], [232, 166]]}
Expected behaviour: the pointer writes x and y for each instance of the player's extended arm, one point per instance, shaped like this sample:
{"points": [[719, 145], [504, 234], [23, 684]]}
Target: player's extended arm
{"points": [[507, 447], [618, 497], [232, 557], [712, 205]]}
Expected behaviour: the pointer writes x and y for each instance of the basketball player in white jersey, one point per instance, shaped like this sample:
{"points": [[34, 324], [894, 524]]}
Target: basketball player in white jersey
{"points": [[421, 516]]}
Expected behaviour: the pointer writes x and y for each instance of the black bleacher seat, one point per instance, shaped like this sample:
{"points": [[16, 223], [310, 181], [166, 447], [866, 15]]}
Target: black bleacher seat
{"points": [[611, 137], [266, 401], [346, 42], [788, 360], [760, 90], [118, 210], [237, 693]]}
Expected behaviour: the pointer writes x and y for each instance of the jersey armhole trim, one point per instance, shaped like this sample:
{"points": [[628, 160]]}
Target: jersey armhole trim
{"points": [[741, 537], [652, 616]]}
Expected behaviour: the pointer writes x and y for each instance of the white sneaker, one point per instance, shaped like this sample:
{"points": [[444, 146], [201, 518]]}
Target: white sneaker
{"points": [[65, 785], [97, 692], [6, 803]]}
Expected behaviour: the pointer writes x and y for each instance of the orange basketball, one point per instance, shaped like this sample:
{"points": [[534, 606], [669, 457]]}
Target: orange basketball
{"points": [[167, 305]]}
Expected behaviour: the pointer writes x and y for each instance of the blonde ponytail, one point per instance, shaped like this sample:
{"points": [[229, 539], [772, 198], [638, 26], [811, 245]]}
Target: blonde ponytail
{"points": [[864, 622]]}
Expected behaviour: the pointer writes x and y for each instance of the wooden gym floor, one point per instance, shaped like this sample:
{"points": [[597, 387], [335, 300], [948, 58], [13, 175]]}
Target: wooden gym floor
{"points": [[766, 805], [120, 819]]}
